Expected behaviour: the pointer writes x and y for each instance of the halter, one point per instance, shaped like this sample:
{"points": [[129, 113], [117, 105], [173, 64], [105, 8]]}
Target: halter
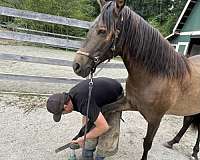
{"points": [[94, 59]]}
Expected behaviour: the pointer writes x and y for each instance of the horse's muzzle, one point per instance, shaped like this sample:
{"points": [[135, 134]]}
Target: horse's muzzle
{"points": [[82, 71]]}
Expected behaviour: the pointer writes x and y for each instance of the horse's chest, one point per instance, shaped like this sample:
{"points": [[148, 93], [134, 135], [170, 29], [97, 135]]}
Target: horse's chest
{"points": [[152, 95], [152, 98]]}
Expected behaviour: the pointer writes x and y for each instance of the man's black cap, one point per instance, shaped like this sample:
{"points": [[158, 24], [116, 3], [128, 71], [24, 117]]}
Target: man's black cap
{"points": [[55, 104]]}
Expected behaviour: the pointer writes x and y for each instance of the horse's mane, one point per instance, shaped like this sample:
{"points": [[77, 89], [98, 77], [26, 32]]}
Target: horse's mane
{"points": [[143, 45]]}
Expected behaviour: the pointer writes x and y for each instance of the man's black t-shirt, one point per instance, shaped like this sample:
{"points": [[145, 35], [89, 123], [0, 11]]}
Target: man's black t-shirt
{"points": [[105, 91]]}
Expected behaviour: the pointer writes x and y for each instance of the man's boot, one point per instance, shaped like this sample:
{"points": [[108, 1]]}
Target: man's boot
{"points": [[87, 154], [99, 158]]}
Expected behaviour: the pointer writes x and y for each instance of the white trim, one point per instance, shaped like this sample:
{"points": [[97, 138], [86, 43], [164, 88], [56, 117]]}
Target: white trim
{"points": [[181, 16], [190, 33], [193, 33], [186, 44], [169, 36]]}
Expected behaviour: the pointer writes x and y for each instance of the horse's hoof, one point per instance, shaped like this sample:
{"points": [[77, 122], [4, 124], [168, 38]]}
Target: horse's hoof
{"points": [[194, 158], [167, 145]]}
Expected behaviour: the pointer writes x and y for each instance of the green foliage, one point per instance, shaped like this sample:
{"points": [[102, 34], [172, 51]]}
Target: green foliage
{"points": [[165, 27], [162, 14]]}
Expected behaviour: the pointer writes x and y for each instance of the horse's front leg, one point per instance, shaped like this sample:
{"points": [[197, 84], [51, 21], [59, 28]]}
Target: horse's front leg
{"points": [[151, 131]]}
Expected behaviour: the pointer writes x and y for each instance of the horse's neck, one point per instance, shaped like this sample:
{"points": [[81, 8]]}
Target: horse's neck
{"points": [[137, 74]]}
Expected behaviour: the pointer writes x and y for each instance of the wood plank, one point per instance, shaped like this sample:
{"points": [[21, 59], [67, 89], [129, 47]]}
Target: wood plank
{"points": [[51, 61], [44, 79], [31, 59], [40, 32], [58, 42], [44, 17]]}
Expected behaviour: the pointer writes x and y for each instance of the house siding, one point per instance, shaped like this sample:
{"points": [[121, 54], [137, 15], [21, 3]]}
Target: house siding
{"points": [[181, 38]]}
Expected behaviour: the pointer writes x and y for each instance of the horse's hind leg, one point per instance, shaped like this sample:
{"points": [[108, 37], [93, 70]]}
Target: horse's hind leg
{"points": [[196, 147], [186, 123], [151, 131]]}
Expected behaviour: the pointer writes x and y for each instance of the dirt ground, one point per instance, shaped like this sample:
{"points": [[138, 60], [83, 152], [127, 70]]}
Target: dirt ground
{"points": [[28, 132]]}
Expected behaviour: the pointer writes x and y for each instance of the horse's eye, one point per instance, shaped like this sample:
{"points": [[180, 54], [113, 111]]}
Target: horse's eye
{"points": [[101, 31]]}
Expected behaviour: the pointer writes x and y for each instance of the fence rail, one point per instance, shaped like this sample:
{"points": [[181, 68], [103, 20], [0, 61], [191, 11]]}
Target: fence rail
{"points": [[10, 27], [45, 79], [56, 42], [50, 61], [44, 17]]}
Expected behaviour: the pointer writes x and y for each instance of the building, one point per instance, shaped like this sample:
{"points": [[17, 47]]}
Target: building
{"points": [[186, 33]]}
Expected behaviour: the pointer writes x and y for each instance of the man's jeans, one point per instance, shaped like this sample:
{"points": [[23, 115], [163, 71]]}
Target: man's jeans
{"points": [[107, 144]]}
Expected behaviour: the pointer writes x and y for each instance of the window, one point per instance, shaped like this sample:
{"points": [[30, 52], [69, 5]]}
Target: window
{"points": [[182, 47]]}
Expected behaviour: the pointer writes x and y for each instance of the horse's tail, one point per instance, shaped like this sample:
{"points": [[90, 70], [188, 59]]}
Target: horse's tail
{"points": [[196, 120]]}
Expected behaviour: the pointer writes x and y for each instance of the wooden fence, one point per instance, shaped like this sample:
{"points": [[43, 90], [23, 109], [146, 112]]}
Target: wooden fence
{"points": [[51, 61], [58, 42], [59, 75], [15, 81]]}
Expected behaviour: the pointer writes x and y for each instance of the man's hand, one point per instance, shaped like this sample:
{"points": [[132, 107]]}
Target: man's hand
{"points": [[80, 141]]}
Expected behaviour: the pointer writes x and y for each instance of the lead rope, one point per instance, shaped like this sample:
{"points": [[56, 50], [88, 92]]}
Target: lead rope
{"points": [[88, 106]]}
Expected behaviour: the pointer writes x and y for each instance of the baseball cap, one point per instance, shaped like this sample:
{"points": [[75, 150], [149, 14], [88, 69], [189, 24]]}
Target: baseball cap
{"points": [[55, 104]]}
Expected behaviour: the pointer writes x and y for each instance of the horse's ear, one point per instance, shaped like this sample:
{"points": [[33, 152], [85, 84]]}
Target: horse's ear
{"points": [[119, 5], [101, 3]]}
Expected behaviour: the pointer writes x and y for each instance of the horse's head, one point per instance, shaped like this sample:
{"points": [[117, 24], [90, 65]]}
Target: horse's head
{"points": [[101, 39]]}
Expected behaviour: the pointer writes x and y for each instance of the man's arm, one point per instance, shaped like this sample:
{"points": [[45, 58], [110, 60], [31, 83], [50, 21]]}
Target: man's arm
{"points": [[101, 126]]}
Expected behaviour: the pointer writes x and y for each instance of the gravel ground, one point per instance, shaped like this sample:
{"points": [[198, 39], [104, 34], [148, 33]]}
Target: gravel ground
{"points": [[28, 132]]}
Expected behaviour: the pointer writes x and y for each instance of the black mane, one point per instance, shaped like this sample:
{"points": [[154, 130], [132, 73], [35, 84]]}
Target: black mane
{"points": [[142, 44]]}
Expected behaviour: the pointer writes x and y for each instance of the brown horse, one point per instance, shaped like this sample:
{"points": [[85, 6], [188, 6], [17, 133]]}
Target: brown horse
{"points": [[160, 80]]}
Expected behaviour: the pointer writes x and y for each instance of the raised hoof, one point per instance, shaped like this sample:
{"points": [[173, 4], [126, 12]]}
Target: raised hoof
{"points": [[194, 158], [167, 145]]}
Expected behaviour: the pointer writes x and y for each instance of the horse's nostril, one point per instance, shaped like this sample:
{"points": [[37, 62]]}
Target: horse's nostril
{"points": [[76, 66]]}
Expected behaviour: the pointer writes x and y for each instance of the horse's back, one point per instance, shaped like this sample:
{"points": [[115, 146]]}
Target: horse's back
{"points": [[194, 62], [194, 59]]}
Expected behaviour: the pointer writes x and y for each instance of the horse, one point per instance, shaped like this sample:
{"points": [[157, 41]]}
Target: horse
{"points": [[187, 121], [160, 81]]}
